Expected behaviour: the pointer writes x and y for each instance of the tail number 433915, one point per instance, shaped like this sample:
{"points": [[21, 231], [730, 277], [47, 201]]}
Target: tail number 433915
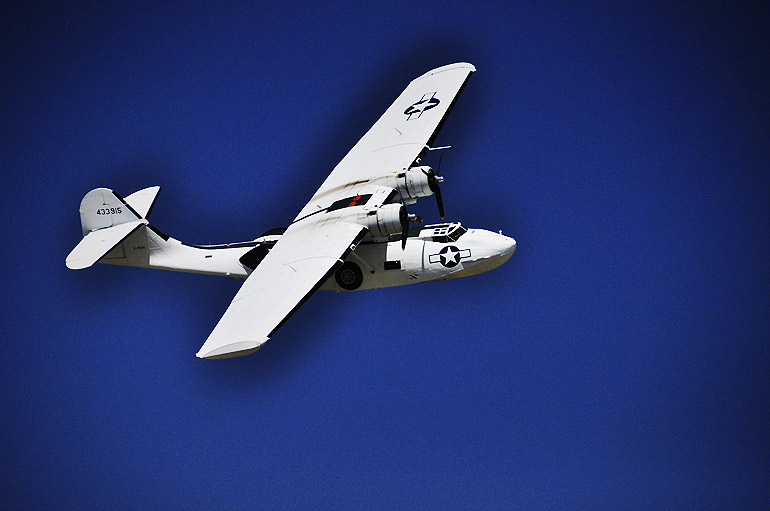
{"points": [[109, 211]]}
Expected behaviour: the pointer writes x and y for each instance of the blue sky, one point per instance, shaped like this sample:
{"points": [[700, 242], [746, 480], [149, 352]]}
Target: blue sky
{"points": [[618, 360]]}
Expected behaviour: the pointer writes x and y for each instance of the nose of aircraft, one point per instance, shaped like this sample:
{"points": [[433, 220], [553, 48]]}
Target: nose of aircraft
{"points": [[486, 250], [497, 244], [504, 245], [509, 245]]}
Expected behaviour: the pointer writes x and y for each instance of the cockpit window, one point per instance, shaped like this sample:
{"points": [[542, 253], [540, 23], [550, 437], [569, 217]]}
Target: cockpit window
{"points": [[456, 233], [448, 233]]}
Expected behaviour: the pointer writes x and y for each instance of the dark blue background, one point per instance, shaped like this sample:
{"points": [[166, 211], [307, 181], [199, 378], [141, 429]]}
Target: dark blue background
{"points": [[619, 360]]}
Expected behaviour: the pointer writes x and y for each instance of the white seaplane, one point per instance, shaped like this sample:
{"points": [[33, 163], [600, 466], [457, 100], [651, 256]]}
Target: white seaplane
{"points": [[353, 234]]}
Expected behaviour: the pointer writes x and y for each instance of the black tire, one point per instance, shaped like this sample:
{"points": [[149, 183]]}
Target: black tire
{"points": [[349, 276]]}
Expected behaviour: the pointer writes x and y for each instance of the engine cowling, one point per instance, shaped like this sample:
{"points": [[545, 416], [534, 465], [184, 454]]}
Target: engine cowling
{"points": [[415, 183], [386, 220]]}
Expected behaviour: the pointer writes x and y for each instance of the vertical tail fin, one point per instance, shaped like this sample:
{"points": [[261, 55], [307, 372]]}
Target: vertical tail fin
{"points": [[107, 219], [102, 208]]}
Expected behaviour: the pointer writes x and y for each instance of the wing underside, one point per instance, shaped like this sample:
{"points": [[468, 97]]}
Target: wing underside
{"points": [[320, 238], [304, 257]]}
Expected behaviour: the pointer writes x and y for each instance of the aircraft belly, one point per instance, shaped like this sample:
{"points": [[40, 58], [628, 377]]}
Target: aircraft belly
{"points": [[386, 265], [479, 266], [222, 262]]}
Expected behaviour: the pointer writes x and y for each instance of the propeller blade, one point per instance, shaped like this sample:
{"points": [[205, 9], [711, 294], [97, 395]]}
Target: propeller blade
{"points": [[440, 202], [404, 218], [433, 182]]}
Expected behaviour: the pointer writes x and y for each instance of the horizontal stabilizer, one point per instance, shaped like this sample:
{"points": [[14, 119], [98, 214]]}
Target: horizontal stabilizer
{"points": [[96, 244]]}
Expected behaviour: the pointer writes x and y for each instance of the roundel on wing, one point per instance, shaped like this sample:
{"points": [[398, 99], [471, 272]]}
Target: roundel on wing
{"points": [[426, 102]]}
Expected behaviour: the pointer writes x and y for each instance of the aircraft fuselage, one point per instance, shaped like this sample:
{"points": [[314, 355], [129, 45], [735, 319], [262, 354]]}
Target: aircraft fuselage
{"points": [[435, 252]]}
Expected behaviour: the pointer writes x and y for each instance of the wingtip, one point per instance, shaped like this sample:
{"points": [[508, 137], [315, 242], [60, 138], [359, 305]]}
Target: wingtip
{"points": [[457, 65], [235, 349], [75, 265]]}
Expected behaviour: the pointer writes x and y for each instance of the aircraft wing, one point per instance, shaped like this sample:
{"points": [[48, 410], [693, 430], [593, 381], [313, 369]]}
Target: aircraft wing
{"points": [[306, 254], [319, 239], [400, 136]]}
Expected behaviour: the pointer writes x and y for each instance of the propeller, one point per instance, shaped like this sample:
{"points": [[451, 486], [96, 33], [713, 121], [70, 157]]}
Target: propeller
{"points": [[433, 183], [405, 218]]}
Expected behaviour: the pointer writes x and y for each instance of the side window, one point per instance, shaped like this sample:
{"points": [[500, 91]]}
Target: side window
{"points": [[439, 235]]}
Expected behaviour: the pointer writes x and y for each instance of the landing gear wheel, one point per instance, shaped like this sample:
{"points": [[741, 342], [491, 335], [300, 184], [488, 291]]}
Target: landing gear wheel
{"points": [[349, 276]]}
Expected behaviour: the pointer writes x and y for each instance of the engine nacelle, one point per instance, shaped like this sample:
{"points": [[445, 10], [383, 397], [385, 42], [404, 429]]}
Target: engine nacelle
{"points": [[414, 183], [386, 220]]}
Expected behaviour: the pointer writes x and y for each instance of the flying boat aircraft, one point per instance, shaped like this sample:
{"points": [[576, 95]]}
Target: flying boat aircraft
{"points": [[353, 234]]}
